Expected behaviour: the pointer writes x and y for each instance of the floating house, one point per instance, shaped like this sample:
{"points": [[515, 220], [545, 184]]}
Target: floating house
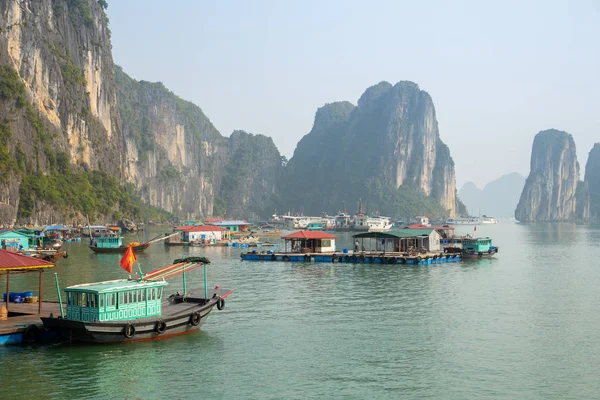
{"points": [[309, 242], [199, 234], [14, 241], [400, 240], [234, 226]]}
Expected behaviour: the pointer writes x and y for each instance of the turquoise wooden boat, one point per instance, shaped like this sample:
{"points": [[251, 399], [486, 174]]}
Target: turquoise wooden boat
{"points": [[136, 309]]}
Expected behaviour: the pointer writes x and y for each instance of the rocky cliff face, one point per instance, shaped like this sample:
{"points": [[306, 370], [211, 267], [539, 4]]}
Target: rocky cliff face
{"points": [[389, 141], [173, 153], [59, 51], [551, 190], [180, 162], [592, 180]]}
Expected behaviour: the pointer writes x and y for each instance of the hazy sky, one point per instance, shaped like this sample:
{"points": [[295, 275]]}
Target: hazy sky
{"points": [[498, 73]]}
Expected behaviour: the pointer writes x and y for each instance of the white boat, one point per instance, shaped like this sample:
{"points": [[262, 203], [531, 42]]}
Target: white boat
{"points": [[464, 221], [343, 222], [363, 222], [488, 220]]}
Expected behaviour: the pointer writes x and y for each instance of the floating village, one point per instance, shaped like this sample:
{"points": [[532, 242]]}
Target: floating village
{"points": [[139, 308]]}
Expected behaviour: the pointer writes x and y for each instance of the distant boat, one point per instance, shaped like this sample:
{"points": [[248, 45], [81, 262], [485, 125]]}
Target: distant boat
{"points": [[113, 244], [488, 220], [464, 221]]}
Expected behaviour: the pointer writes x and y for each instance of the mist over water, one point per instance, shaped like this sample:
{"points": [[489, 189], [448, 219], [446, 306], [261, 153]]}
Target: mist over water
{"points": [[524, 325]]}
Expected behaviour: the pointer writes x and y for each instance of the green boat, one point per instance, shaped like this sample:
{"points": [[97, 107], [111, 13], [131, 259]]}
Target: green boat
{"points": [[135, 309], [114, 244], [478, 248]]}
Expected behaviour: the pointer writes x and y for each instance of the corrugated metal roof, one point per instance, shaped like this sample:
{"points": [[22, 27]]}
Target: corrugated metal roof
{"points": [[226, 223], [201, 228], [309, 235], [11, 261], [395, 234]]}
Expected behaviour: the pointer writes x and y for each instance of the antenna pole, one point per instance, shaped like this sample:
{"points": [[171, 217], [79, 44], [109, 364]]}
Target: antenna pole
{"points": [[205, 287], [62, 313], [184, 282]]}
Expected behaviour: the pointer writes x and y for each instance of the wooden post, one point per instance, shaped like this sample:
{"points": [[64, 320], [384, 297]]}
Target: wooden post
{"points": [[40, 295], [7, 288]]}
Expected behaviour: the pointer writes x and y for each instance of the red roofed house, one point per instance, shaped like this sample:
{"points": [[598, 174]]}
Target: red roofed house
{"points": [[309, 242], [202, 233]]}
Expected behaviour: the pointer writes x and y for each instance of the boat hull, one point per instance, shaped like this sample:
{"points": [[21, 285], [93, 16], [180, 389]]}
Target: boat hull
{"points": [[117, 250], [172, 322]]}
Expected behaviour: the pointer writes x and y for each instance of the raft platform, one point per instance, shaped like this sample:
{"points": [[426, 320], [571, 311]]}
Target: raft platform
{"points": [[24, 325], [354, 258]]}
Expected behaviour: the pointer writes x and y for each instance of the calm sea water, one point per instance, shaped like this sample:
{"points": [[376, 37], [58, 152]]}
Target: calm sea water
{"points": [[523, 326]]}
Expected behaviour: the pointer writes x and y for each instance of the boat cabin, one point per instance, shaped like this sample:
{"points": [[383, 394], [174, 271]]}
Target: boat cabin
{"points": [[316, 226], [108, 242], [118, 300], [477, 245], [309, 242]]}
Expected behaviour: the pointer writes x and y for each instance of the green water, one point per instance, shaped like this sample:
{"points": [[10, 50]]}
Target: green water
{"points": [[523, 326]]}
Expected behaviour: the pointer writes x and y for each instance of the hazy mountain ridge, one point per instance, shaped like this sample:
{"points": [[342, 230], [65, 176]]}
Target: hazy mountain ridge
{"points": [[498, 198]]}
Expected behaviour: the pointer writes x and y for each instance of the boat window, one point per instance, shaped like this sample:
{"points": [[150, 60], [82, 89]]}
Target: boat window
{"points": [[101, 301], [129, 297], [122, 298], [143, 295], [93, 300], [135, 296], [158, 293]]}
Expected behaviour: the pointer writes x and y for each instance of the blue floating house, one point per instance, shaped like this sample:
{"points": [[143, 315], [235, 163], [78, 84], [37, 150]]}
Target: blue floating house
{"points": [[13, 240]]}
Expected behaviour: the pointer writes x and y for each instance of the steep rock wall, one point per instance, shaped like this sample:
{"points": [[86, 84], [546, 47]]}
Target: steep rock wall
{"points": [[60, 52], [180, 162], [592, 180], [551, 189], [389, 141]]}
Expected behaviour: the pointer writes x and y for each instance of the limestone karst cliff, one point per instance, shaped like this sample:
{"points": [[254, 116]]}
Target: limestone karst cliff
{"points": [[592, 181], [180, 162], [386, 150], [552, 190], [57, 100]]}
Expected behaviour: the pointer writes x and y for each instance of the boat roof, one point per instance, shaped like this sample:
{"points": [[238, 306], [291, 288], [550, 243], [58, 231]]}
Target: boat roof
{"points": [[309, 235], [394, 234], [115, 285]]}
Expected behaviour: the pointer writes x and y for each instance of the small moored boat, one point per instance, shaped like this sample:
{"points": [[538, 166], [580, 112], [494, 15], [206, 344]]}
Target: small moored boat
{"points": [[129, 310], [478, 248]]}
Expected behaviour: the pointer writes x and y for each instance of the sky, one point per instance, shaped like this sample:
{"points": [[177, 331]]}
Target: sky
{"points": [[498, 72]]}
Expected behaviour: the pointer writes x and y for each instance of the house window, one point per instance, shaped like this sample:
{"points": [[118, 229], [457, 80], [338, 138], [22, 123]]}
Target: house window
{"points": [[326, 243]]}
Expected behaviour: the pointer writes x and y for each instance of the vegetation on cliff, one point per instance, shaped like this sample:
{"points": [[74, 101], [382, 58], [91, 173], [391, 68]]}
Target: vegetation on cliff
{"points": [[48, 178]]}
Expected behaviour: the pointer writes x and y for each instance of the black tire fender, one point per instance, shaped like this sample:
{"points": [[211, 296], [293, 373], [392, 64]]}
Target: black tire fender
{"points": [[31, 334], [195, 318], [129, 331], [220, 303], [160, 327]]}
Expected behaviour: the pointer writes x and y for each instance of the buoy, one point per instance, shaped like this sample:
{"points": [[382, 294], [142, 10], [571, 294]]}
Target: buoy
{"points": [[3, 313], [218, 287]]}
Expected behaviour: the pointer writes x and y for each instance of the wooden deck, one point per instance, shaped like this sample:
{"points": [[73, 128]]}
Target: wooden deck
{"points": [[366, 257], [22, 315]]}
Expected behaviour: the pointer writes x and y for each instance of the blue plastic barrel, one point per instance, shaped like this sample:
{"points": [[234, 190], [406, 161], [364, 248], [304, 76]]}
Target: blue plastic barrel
{"points": [[345, 251]]}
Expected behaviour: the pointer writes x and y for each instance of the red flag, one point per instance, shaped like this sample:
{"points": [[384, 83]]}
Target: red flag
{"points": [[128, 259]]}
